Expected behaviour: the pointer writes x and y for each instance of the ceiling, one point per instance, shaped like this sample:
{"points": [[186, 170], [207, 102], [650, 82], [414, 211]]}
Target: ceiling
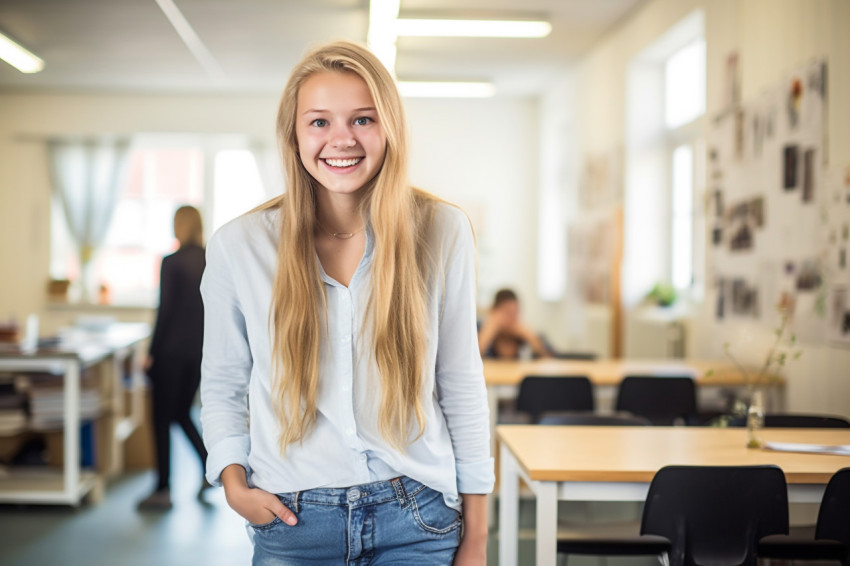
{"points": [[130, 46]]}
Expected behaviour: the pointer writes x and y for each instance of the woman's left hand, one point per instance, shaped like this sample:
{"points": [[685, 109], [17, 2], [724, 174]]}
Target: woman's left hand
{"points": [[471, 553]]}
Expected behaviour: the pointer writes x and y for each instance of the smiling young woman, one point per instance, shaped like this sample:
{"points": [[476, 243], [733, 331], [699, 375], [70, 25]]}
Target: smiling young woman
{"points": [[345, 311]]}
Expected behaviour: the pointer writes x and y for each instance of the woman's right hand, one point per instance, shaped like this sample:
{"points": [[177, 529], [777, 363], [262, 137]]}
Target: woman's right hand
{"points": [[253, 504]]}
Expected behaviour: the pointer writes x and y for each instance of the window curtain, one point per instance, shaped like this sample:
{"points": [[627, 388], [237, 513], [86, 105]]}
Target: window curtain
{"points": [[88, 177], [270, 168]]}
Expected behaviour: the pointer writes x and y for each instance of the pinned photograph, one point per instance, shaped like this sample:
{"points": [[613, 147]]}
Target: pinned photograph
{"points": [[795, 101], [809, 277], [757, 211], [808, 175], [744, 298], [789, 167], [717, 235]]}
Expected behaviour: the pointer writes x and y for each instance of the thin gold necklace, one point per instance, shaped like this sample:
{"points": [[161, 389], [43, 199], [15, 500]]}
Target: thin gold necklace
{"points": [[339, 235]]}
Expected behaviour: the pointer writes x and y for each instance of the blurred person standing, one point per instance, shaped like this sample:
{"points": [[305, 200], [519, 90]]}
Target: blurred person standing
{"points": [[174, 360]]}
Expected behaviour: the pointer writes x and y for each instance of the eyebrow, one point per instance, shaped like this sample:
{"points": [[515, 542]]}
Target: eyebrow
{"points": [[320, 110]]}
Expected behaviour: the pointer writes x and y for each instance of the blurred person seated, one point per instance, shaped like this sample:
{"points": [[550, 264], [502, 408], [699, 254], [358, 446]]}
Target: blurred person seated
{"points": [[504, 336]]}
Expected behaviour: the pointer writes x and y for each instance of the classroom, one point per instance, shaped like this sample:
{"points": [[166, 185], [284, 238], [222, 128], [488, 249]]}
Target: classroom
{"points": [[655, 195]]}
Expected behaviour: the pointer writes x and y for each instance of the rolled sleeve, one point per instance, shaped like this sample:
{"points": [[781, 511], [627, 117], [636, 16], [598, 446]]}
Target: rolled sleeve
{"points": [[462, 393], [226, 366]]}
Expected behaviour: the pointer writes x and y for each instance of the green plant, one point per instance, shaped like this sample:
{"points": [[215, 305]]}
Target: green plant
{"points": [[663, 294]]}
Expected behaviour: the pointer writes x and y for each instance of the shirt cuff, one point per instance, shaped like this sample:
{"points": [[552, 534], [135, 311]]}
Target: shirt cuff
{"points": [[476, 477], [227, 451]]}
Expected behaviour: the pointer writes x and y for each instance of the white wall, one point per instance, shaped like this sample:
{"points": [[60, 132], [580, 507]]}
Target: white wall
{"points": [[479, 154], [772, 37]]}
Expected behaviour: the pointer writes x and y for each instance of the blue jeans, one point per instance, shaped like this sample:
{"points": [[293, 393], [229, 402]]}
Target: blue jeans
{"points": [[399, 521]]}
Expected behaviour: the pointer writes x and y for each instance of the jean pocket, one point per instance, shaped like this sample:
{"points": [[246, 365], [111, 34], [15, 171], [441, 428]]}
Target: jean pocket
{"points": [[431, 513], [286, 500], [265, 526]]}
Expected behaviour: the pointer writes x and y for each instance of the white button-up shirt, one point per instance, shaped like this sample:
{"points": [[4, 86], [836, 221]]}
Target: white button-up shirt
{"points": [[345, 447]]}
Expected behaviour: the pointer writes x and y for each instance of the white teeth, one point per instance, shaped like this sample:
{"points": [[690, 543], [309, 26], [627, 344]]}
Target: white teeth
{"points": [[343, 162]]}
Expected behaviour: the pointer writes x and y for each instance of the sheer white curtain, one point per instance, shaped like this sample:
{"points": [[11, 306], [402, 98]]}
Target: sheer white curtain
{"points": [[269, 166], [88, 176]]}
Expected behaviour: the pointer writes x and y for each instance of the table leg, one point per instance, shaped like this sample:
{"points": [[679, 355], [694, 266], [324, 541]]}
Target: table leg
{"points": [[508, 509], [547, 523]]}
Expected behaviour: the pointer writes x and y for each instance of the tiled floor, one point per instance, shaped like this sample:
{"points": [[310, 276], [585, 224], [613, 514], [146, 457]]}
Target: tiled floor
{"points": [[193, 533]]}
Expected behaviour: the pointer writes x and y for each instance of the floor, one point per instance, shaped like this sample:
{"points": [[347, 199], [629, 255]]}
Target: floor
{"points": [[195, 532]]}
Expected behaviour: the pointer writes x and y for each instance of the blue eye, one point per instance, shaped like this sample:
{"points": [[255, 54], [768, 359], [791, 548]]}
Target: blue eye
{"points": [[363, 121], [319, 122]]}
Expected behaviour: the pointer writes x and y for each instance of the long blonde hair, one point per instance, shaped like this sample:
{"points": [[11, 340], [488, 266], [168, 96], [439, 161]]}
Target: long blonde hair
{"points": [[399, 216]]}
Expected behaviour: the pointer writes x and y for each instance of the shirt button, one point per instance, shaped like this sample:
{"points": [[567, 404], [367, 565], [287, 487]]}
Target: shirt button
{"points": [[363, 457], [349, 431]]}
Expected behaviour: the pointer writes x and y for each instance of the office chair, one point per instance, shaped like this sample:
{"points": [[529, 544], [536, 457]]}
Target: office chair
{"points": [[538, 394], [716, 514], [831, 540], [663, 400]]}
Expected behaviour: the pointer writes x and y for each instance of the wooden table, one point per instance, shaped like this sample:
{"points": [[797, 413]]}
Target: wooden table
{"points": [[618, 463]]}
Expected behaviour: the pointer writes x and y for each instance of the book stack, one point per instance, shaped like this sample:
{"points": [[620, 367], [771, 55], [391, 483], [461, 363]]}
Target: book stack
{"points": [[13, 416], [47, 406]]}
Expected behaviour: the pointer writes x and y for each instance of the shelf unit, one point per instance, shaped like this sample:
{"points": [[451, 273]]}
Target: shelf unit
{"points": [[107, 353]]}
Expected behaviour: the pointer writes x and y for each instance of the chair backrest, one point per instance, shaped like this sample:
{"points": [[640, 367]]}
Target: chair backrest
{"points": [[661, 399], [788, 420], [538, 394], [591, 419], [834, 514], [716, 514]]}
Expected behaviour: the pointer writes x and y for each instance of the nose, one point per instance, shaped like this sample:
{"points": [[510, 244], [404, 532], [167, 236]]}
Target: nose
{"points": [[343, 138]]}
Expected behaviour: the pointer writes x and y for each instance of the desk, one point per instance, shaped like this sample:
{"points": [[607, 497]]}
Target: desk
{"points": [[110, 348], [618, 463]]}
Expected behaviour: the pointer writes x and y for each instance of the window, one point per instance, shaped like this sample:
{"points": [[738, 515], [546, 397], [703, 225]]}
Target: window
{"points": [[222, 182], [684, 105], [663, 226], [684, 84]]}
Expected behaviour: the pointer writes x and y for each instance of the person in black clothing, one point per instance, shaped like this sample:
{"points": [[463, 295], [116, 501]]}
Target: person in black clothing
{"points": [[174, 361]]}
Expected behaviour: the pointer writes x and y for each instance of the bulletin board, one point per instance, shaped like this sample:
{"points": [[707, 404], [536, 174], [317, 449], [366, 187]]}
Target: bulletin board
{"points": [[777, 214]]}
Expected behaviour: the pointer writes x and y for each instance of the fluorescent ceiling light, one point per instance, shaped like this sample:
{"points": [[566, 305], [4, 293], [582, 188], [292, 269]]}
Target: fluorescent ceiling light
{"points": [[381, 37], [435, 89], [18, 57], [471, 28]]}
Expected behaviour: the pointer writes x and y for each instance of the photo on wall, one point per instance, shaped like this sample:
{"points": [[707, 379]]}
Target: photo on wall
{"points": [[789, 167], [808, 175], [838, 315]]}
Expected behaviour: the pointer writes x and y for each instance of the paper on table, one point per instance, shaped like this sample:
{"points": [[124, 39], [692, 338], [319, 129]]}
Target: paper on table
{"points": [[840, 449]]}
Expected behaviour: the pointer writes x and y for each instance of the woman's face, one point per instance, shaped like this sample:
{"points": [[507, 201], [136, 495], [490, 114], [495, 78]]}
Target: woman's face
{"points": [[340, 141]]}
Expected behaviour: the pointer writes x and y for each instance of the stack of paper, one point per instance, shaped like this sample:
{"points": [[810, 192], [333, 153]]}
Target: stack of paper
{"points": [[47, 405]]}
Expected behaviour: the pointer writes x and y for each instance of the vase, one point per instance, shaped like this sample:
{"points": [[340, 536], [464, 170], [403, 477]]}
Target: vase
{"points": [[755, 419]]}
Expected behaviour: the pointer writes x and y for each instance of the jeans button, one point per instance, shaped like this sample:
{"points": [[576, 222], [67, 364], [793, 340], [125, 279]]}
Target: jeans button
{"points": [[353, 494]]}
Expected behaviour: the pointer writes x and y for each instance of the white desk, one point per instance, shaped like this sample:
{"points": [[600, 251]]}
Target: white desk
{"points": [[112, 347]]}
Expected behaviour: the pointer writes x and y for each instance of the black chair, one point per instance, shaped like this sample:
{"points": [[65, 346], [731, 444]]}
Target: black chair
{"points": [[716, 514], [663, 400], [539, 394], [611, 538], [590, 419], [790, 420], [831, 540]]}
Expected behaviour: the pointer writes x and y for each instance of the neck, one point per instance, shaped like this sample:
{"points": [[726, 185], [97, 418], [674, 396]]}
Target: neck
{"points": [[339, 213]]}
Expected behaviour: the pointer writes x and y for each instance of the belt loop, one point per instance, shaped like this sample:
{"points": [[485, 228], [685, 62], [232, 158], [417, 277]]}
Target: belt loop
{"points": [[297, 493], [400, 493]]}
